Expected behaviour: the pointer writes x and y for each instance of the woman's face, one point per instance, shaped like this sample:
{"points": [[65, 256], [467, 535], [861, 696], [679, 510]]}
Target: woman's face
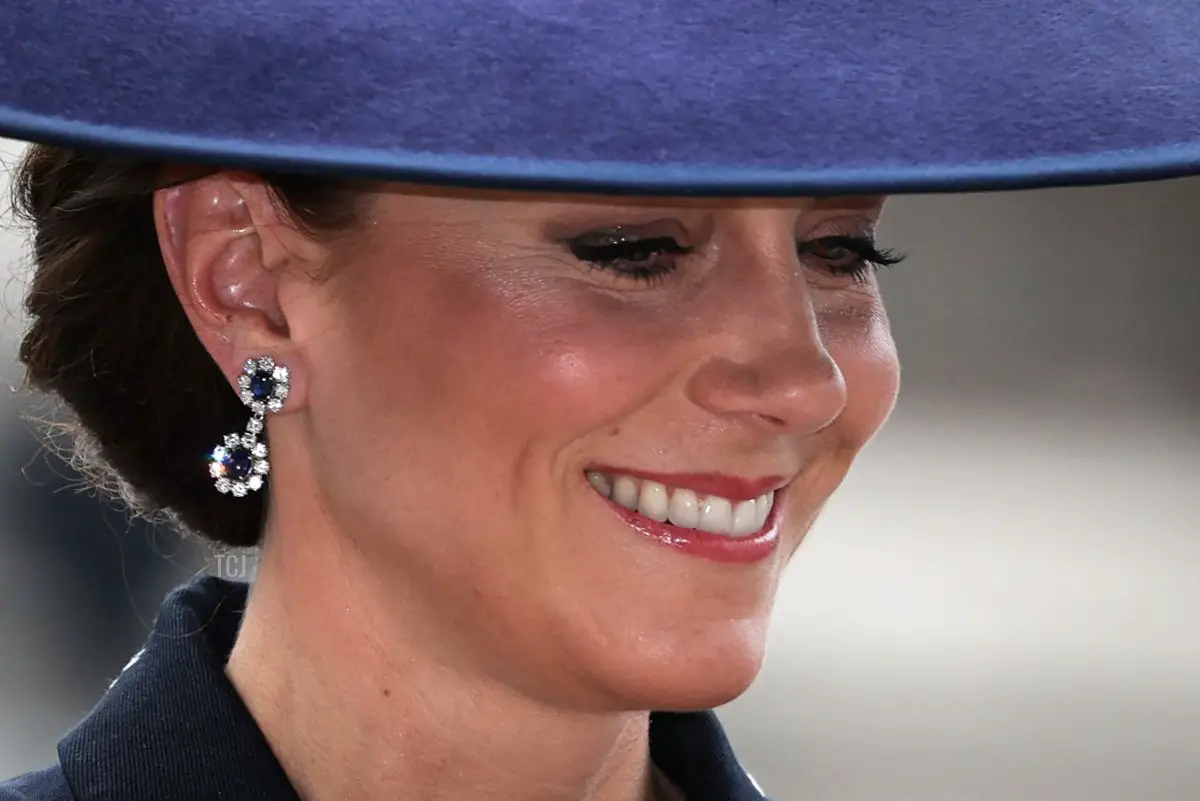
{"points": [[493, 381]]}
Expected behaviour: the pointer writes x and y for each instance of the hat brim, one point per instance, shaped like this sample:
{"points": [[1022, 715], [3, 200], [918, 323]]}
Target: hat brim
{"points": [[522, 94], [615, 178]]}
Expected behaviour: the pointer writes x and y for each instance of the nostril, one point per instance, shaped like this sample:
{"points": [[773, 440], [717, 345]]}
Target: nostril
{"points": [[772, 420]]}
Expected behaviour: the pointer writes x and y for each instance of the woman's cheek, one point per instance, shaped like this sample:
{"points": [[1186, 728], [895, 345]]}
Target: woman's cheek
{"points": [[860, 340], [589, 351]]}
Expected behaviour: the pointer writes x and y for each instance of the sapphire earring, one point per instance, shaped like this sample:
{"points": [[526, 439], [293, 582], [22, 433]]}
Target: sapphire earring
{"points": [[239, 464]]}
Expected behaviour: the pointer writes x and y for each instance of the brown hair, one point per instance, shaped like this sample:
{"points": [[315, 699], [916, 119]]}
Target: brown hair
{"points": [[145, 403]]}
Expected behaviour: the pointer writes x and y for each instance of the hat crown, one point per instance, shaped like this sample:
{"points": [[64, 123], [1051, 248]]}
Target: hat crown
{"points": [[835, 94]]}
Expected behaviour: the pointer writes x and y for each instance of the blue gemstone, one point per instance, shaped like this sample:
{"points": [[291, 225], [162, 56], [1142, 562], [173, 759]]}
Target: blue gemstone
{"points": [[261, 386], [238, 463]]}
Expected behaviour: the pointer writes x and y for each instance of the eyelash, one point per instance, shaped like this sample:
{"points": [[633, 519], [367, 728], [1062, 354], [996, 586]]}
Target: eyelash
{"points": [[611, 255]]}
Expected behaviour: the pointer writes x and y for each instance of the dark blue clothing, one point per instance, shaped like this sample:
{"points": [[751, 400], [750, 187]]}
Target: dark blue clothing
{"points": [[172, 727]]}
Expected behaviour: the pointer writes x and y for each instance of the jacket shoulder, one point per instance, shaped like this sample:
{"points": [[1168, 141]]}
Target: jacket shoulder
{"points": [[48, 784]]}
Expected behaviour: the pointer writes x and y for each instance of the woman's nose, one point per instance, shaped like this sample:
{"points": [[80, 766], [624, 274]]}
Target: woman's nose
{"points": [[772, 369], [789, 389]]}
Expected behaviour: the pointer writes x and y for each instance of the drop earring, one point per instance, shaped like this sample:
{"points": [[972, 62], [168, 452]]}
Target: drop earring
{"points": [[239, 464]]}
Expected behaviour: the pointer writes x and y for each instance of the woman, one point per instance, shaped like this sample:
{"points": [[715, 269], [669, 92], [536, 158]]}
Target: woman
{"points": [[560, 321]]}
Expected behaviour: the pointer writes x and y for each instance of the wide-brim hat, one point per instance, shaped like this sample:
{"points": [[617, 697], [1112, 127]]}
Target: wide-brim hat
{"points": [[753, 97]]}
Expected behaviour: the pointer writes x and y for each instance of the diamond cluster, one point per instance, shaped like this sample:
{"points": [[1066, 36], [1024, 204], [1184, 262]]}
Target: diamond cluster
{"points": [[239, 464], [263, 385]]}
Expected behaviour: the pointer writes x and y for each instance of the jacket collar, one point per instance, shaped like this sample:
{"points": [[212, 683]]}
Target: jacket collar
{"points": [[173, 728]]}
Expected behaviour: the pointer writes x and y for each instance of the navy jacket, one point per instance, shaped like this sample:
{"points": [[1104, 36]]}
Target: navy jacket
{"points": [[172, 728]]}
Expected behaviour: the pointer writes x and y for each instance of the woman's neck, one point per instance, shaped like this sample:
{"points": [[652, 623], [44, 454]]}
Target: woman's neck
{"points": [[355, 711]]}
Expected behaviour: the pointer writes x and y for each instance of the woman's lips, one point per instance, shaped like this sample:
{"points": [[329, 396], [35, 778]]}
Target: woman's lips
{"points": [[732, 487], [724, 518]]}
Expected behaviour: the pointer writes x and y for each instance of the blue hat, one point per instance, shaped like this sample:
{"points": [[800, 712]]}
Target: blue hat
{"points": [[753, 97]]}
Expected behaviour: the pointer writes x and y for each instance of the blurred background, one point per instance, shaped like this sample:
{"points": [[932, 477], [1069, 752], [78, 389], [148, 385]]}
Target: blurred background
{"points": [[1001, 604]]}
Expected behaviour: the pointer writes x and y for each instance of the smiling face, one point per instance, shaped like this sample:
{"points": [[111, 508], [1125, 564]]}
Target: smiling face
{"points": [[581, 439]]}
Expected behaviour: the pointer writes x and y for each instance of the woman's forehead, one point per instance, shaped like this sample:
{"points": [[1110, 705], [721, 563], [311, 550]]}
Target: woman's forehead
{"points": [[406, 194]]}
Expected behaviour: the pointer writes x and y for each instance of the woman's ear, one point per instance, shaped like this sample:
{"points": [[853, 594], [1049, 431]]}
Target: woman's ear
{"points": [[228, 253]]}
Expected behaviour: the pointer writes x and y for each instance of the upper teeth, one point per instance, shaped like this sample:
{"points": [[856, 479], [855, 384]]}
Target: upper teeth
{"points": [[683, 507]]}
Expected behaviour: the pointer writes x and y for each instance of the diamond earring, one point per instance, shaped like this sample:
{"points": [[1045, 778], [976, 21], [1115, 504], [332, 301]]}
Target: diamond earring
{"points": [[239, 464]]}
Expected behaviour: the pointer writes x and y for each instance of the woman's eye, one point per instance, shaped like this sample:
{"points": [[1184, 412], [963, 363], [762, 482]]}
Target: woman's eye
{"points": [[854, 256], [651, 258], [643, 259]]}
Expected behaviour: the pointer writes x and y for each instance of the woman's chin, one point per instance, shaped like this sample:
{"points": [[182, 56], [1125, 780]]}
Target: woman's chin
{"points": [[685, 674]]}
